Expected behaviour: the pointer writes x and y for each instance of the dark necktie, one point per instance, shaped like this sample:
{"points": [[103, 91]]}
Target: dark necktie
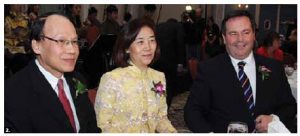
{"points": [[65, 102], [247, 90]]}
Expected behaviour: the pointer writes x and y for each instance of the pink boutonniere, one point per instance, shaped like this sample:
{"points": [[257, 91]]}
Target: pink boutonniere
{"points": [[265, 72], [158, 88]]}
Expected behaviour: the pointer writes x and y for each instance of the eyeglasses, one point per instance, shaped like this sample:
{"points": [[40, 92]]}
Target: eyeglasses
{"points": [[62, 43]]}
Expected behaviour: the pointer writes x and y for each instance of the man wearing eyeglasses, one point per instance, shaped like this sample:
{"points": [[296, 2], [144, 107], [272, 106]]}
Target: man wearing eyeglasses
{"points": [[42, 97]]}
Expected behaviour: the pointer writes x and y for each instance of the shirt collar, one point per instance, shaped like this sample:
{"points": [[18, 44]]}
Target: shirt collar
{"points": [[247, 60], [50, 78]]}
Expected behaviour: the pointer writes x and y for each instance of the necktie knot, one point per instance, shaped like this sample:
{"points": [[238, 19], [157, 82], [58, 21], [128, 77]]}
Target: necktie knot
{"points": [[241, 65]]}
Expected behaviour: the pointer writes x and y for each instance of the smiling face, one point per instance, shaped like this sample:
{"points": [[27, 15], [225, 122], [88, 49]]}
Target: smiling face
{"points": [[239, 37], [142, 49], [54, 58]]}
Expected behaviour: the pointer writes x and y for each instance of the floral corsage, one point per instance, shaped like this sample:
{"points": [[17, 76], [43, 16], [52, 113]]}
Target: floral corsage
{"points": [[265, 72], [80, 87], [158, 88]]}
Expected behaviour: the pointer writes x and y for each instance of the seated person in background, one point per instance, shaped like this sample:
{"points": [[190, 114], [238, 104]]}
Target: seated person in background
{"points": [[16, 33], [132, 97], [45, 97], [33, 12], [73, 13], [126, 19], [270, 47], [290, 45], [111, 25], [93, 26]]}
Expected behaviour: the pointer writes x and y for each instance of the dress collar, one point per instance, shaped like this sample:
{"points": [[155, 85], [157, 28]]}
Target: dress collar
{"points": [[136, 69]]}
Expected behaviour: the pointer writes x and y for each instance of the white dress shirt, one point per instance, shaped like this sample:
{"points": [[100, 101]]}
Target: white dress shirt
{"points": [[53, 82], [250, 70]]}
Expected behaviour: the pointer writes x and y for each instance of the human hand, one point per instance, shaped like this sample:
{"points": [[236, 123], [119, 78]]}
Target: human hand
{"points": [[262, 122]]}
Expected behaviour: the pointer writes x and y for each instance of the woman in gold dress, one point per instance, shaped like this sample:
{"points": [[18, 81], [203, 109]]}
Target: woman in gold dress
{"points": [[132, 98]]}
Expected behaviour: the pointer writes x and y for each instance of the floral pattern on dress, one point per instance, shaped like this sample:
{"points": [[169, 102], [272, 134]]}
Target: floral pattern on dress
{"points": [[125, 102]]}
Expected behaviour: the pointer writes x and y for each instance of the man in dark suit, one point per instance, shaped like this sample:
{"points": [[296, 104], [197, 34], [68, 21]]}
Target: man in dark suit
{"points": [[218, 96], [41, 98]]}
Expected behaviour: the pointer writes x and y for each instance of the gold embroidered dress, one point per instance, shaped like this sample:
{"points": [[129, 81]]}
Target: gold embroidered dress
{"points": [[125, 102]]}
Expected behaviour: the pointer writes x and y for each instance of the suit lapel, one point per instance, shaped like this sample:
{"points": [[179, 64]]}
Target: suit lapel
{"points": [[234, 85], [71, 86], [260, 85], [69, 78], [235, 92], [232, 77], [47, 96]]}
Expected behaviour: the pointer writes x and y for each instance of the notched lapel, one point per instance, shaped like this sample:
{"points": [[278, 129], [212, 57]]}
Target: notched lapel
{"points": [[232, 77], [71, 87], [46, 96], [262, 86], [234, 85]]}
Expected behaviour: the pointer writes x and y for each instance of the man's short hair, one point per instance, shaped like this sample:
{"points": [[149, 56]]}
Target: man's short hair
{"points": [[150, 7], [38, 25], [92, 10], [111, 8], [237, 13]]}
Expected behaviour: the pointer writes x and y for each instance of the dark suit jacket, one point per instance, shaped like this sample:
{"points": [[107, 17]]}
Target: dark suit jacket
{"points": [[217, 98], [31, 105]]}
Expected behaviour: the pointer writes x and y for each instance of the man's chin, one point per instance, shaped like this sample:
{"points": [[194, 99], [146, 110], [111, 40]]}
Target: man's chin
{"points": [[69, 69]]}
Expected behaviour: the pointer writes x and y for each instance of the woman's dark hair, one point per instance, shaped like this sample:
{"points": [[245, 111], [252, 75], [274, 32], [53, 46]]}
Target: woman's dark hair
{"points": [[127, 37], [269, 38], [237, 13]]}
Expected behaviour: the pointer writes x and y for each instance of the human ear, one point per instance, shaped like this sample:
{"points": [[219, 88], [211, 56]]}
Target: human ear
{"points": [[35, 47], [224, 41]]}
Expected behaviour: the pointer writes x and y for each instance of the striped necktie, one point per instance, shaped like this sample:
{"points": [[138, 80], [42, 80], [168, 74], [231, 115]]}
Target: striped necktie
{"points": [[247, 90]]}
